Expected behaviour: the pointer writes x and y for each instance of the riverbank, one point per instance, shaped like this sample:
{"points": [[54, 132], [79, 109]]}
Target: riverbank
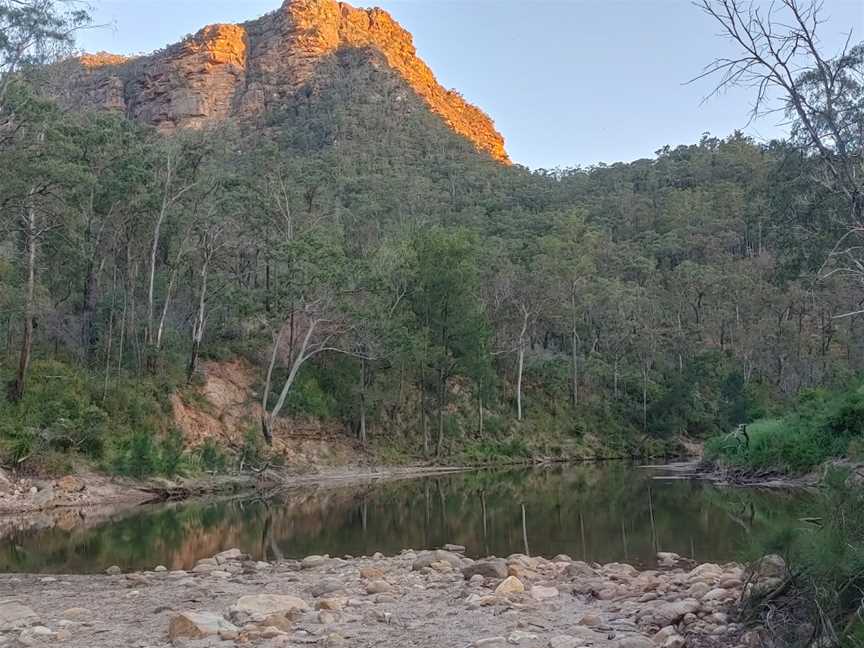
{"points": [[735, 476], [722, 475], [416, 599], [91, 490]]}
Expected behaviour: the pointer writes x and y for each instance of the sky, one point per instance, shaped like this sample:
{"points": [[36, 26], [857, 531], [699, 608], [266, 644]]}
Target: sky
{"points": [[568, 82]]}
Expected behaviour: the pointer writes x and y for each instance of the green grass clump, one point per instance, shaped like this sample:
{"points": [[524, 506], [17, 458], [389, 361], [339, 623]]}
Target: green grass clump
{"points": [[821, 427], [825, 558]]}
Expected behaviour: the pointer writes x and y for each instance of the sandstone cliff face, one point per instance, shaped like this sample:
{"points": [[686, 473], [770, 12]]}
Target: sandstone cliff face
{"points": [[242, 71]]}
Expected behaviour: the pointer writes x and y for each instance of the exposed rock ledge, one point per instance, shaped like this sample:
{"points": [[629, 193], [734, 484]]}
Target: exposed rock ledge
{"points": [[422, 599], [242, 71]]}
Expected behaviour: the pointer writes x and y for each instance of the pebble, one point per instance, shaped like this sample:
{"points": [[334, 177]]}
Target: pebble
{"points": [[519, 636], [491, 642], [591, 620]]}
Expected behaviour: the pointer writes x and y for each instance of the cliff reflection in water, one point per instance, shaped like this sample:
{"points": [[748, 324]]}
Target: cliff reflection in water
{"points": [[608, 512]]}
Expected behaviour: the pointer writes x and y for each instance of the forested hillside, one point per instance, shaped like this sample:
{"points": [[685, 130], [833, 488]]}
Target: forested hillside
{"points": [[382, 275]]}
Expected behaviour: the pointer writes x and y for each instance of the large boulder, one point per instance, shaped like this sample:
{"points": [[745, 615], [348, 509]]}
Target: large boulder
{"points": [[326, 585], [581, 569], [37, 636], [620, 570], [228, 556], [635, 641], [313, 562], [198, 625], [541, 593], [269, 604], [496, 568], [564, 641], [14, 615], [771, 566], [666, 614], [379, 587], [510, 585], [426, 559], [667, 559]]}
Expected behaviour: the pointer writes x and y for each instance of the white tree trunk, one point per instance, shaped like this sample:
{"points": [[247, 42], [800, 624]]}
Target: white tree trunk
{"points": [[521, 363], [17, 389], [519, 382], [198, 326], [154, 248], [302, 355]]}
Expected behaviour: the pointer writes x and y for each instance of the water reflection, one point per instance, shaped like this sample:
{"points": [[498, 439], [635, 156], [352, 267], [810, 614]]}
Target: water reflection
{"points": [[591, 512]]}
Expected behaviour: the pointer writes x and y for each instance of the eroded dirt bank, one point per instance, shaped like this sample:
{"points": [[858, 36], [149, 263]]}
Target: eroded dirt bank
{"points": [[417, 599]]}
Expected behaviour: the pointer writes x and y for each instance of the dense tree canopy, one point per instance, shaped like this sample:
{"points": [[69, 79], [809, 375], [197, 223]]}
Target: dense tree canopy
{"points": [[352, 244]]}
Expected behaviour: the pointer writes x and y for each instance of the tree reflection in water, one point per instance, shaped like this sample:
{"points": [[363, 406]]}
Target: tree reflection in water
{"points": [[596, 512]]}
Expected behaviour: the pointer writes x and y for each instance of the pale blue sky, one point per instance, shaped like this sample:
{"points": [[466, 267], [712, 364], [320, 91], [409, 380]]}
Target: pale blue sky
{"points": [[567, 81]]}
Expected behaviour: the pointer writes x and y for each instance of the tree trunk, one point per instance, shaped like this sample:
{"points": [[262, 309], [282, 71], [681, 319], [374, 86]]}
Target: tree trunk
{"points": [[16, 391], [88, 312], [645, 397], [363, 438], [110, 335], [266, 425], [302, 356], [198, 326], [442, 406], [575, 347], [150, 336], [154, 248], [519, 382], [521, 364]]}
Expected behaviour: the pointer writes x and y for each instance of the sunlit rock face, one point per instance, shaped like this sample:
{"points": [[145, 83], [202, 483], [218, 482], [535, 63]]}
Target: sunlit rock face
{"points": [[242, 71]]}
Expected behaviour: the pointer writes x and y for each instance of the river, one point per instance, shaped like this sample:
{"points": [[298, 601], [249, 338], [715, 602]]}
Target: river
{"points": [[595, 512]]}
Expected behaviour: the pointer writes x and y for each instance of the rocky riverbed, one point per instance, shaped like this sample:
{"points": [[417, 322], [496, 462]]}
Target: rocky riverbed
{"points": [[417, 599]]}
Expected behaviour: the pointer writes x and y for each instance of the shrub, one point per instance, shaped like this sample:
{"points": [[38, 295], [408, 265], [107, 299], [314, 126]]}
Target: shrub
{"points": [[171, 453], [821, 427], [211, 457], [253, 452], [512, 449], [825, 557]]}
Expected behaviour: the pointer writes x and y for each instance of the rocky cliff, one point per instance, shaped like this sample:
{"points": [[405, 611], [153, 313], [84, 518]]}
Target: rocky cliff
{"points": [[244, 71]]}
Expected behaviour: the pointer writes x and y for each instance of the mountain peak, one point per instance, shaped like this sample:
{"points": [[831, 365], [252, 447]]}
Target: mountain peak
{"points": [[242, 71]]}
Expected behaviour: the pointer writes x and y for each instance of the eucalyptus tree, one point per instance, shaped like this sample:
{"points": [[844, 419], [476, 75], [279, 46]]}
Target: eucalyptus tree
{"points": [[453, 323], [34, 32], [568, 259], [308, 315], [779, 52], [38, 163]]}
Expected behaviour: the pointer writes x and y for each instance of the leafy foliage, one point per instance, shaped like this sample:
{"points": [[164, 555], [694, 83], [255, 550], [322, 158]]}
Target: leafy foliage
{"points": [[822, 426], [410, 287]]}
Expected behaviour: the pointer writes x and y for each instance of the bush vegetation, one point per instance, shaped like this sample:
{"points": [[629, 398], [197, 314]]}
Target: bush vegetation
{"points": [[820, 603], [822, 425], [69, 414]]}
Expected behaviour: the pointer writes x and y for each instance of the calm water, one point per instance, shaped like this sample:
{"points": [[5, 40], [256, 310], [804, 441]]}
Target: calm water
{"points": [[592, 512]]}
